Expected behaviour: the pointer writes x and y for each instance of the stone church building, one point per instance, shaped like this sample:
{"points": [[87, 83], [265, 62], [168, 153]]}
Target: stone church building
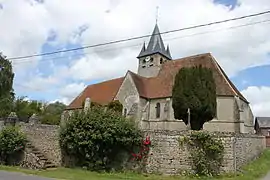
{"points": [[147, 94]]}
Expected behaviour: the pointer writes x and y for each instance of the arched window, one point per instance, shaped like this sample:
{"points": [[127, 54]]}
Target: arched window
{"points": [[158, 110], [152, 59], [161, 61], [125, 112]]}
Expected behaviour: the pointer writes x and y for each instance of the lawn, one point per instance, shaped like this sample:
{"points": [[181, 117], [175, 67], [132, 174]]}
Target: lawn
{"points": [[254, 170]]}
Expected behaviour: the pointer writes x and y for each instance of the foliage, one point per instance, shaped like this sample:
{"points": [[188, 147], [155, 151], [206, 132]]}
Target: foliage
{"points": [[206, 152], [115, 106], [144, 150], [52, 113], [194, 88], [96, 105], [12, 141], [25, 109], [6, 90], [141, 156], [97, 138]]}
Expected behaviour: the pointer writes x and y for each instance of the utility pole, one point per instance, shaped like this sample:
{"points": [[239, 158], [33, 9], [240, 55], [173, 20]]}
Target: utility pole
{"points": [[188, 125]]}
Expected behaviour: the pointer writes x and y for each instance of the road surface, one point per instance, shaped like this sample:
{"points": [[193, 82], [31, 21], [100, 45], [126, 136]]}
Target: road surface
{"points": [[19, 176], [267, 177]]}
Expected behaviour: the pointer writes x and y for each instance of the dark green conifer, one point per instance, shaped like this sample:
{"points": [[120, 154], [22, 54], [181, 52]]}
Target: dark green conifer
{"points": [[194, 88]]}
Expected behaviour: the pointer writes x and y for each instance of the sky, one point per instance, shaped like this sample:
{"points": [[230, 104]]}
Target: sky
{"points": [[40, 26]]}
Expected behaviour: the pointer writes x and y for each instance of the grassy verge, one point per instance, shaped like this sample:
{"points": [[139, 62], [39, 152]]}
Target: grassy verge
{"points": [[254, 170]]}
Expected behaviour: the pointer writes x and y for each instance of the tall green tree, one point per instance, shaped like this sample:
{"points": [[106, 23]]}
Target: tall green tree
{"points": [[194, 88], [6, 89], [52, 113], [25, 109]]}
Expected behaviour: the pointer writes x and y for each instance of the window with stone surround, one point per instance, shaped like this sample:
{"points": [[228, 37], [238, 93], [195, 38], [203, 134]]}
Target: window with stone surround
{"points": [[158, 110]]}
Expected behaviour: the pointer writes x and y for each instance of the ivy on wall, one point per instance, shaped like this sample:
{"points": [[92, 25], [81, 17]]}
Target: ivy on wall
{"points": [[206, 152]]}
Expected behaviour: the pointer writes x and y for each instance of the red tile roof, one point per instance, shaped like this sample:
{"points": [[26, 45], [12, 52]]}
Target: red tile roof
{"points": [[161, 85], [101, 93]]}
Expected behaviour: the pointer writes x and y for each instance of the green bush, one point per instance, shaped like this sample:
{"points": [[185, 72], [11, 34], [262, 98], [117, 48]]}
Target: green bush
{"points": [[50, 119], [98, 139], [12, 142], [115, 106], [206, 152]]}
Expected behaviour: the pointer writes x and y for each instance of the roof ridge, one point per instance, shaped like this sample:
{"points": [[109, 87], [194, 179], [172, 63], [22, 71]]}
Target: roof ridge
{"points": [[193, 56]]}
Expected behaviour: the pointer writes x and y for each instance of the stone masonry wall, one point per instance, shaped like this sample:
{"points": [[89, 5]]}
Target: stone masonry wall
{"points": [[45, 138], [167, 157], [248, 148]]}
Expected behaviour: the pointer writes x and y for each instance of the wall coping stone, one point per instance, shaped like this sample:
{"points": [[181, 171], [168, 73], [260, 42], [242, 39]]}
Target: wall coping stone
{"points": [[217, 133], [42, 126]]}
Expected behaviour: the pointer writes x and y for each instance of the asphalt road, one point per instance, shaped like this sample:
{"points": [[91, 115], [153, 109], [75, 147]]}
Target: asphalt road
{"points": [[267, 177], [18, 176]]}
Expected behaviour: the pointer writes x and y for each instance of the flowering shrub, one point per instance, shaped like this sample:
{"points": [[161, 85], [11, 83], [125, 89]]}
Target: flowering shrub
{"points": [[98, 139], [144, 150]]}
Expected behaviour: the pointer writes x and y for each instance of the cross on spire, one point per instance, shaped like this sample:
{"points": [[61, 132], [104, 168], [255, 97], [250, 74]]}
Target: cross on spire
{"points": [[157, 14]]}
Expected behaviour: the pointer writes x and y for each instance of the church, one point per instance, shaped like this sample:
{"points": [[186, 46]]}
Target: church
{"points": [[147, 95]]}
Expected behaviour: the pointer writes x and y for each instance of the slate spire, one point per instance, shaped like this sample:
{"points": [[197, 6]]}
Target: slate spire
{"points": [[143, 48], [155, 45], [168, 51]]}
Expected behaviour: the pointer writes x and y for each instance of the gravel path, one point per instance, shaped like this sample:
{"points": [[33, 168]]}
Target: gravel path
{"points": [[18, 176]]}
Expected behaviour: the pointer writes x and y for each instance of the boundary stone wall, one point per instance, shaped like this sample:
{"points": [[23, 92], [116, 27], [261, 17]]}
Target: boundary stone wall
{"points": [[45, 138], [167, 157]]}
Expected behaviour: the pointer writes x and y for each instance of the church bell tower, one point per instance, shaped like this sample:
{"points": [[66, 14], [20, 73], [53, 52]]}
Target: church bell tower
{"points": [[152, 57]]}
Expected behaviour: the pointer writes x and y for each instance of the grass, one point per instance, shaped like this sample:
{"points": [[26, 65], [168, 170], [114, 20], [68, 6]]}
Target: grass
{"points": [[254, 170]]}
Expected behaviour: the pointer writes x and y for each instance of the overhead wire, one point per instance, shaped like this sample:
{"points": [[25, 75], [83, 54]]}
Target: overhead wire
{"points": [[191, 35], [139, 44], [168, 39], [139, 37]]}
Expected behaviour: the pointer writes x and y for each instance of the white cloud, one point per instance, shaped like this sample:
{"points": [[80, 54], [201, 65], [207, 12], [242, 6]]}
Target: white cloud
{"points": [[71, 89], [27, 24], [66, 101], [259, 98]]}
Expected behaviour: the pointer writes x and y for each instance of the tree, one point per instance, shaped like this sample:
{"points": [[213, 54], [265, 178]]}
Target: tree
{"points": [[6, 83], [52, 113], [25, 109], [194, 88]]}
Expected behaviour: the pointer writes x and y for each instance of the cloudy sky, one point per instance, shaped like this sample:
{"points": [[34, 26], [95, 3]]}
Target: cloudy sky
{"points": [[39, 26]]}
